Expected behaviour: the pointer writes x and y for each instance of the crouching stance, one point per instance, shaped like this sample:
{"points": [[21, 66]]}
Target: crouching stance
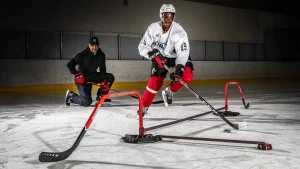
{"points": [[91, 67], [165, 42]]}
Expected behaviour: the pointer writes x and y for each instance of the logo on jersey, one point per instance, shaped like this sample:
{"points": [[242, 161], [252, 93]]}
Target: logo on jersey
{"points": [[183, 47], [160, 45], [179, 32]]}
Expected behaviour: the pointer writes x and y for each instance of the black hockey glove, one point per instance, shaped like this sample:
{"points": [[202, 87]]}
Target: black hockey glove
{"points": [[178, 72], [157, 57]]}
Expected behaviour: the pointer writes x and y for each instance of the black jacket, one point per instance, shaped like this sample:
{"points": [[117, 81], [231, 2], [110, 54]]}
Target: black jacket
{"points": [[92, 66]]}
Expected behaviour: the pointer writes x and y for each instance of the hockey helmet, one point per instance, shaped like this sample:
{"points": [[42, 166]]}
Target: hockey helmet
{"points": [[166, 8]]}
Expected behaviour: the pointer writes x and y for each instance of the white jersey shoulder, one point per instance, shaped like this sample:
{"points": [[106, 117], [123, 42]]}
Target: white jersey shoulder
{"points": [[176, 30], [172, 44]]}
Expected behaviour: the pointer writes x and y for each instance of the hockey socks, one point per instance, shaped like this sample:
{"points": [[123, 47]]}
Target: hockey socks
{"points": [[154, 84]]}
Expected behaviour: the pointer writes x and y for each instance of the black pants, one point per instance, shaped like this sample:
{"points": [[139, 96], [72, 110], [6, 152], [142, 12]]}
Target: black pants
{"points": [[84, 98]]}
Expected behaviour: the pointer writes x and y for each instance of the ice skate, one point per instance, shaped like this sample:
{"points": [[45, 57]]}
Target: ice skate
{"points": [[106, 103], [68, 97], [167, 95], [144, 110]]}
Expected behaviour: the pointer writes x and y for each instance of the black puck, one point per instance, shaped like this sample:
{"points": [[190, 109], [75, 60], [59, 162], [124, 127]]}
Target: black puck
{"points": [[226, 130]]}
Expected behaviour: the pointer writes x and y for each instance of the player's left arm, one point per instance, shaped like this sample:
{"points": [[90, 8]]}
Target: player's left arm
{"points": [[182, 48]]}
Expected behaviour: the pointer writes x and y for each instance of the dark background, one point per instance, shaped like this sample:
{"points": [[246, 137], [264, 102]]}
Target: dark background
{"points": [[287, 7]]}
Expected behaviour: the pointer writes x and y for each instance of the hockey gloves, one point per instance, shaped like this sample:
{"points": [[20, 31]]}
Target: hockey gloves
{"points": [[157, 57], [178, 72], [104, 86], [79, 78]]}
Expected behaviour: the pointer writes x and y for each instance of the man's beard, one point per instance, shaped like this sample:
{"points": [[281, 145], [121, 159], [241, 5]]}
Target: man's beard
{"points": [[94, 52]]}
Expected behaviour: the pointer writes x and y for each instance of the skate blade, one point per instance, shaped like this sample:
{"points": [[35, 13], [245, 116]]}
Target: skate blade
{"points": [[165, 99]]}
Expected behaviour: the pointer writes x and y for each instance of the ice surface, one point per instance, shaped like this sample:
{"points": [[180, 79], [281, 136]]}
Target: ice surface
{"points": [[32, 123]]}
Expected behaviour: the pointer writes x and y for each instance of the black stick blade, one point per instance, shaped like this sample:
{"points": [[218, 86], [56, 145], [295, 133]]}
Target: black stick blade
{"points": [[247, 106], [235, 126], [53, 157]]}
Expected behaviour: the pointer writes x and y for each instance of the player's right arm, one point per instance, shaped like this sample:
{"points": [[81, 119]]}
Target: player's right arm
{"points": [[72, 64], [145, 44]]}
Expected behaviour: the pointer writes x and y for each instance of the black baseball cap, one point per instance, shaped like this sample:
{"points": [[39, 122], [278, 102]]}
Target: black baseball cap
{"points": [[94, 41]]}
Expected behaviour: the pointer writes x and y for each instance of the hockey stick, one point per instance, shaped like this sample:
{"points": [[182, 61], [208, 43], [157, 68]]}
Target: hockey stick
{"points": [[97, 84], [245, 105], [180, 120], [59, 156], [235, 126]]}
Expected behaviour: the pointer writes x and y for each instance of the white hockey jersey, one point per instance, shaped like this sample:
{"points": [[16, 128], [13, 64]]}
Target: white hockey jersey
{"points": [[172, 44]]}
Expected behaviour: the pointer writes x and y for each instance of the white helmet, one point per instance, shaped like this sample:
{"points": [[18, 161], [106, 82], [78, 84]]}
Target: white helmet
{"points": [[166, 8]]}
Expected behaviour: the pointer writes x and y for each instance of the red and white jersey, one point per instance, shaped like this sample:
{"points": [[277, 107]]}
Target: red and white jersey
{"points": [[172, 44]]}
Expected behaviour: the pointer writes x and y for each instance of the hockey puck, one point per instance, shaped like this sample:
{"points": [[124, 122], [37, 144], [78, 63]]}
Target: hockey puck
{"points": [[226, 130]]}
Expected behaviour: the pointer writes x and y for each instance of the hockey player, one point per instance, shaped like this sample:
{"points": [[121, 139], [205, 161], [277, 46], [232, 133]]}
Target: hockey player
{"points": [[165, 42], [91, 68]]}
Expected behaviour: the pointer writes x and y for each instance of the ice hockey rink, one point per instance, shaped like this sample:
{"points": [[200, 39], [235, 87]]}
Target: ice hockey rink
{"points": [[31, 123]]}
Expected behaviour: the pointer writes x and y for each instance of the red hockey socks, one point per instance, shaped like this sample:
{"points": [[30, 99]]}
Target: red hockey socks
{"points": [[154, 84]]}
